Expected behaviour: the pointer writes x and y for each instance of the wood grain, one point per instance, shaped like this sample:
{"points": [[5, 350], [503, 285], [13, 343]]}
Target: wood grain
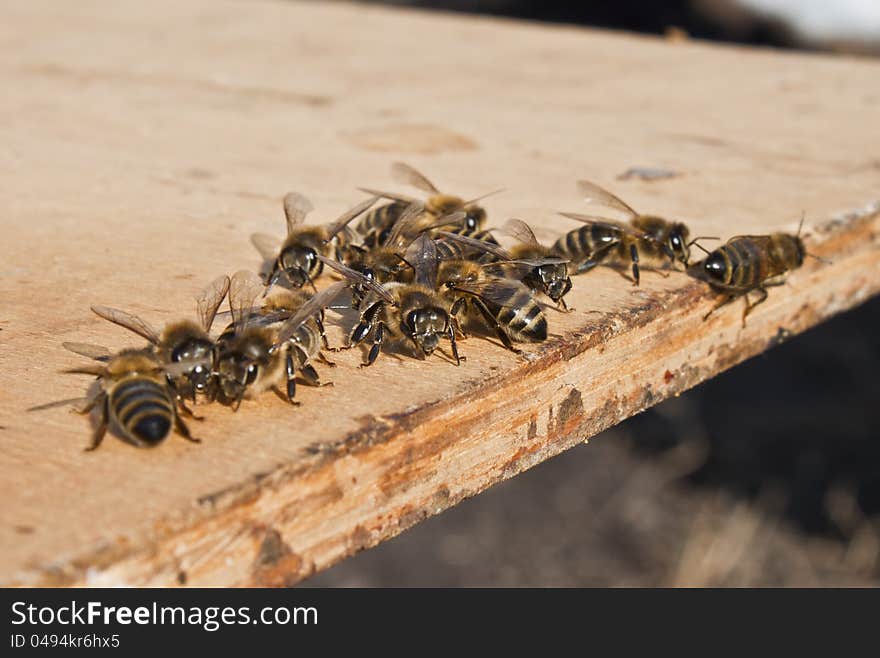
{"points": [[143, 143]]}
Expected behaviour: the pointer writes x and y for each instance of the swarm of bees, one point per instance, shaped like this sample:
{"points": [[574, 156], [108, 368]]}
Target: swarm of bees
{"points": [[417, 272]]}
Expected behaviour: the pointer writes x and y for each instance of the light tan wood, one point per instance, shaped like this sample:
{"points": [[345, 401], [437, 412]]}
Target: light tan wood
{"points": [[143, 142]]}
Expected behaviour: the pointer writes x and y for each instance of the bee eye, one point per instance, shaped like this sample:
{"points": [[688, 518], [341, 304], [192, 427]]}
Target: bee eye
{"points": [[251, 373]]}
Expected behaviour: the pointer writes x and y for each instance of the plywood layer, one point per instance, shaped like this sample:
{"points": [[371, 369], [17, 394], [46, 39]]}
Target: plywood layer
{"points": [[142, 143]]}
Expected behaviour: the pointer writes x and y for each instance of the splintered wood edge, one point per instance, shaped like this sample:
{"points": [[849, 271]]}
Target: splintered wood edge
{"points": [[337, 499]]}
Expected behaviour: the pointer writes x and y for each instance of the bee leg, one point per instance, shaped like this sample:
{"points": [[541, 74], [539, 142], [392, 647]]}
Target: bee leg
{"points": [[327, 362], [493, 322], [183, 430], [319, 320], [723, 302], [451, 331], [181, 405], [368, 320], [290, 371], [459, 304], [101, 429], [378, 336], [308, 373], [273, 277], [634, 257], [751, 305]]}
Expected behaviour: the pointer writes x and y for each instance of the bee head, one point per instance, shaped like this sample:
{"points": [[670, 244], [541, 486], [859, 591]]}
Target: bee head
{"points": [[300, 264], [425, 326], [677, 243]]}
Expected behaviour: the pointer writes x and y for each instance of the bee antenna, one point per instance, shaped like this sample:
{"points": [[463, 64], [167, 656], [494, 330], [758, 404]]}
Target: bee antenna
{"points": [[801, 225], [824, 261], [700, 247], [702, 237]]}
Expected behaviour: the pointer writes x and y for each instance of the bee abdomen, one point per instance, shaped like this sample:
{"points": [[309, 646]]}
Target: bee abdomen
{"points": [[523, 318], [143, 410], [747, 263]]}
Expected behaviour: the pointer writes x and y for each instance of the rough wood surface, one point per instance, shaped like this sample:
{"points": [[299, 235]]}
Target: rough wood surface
{"points": [[143, 142]]}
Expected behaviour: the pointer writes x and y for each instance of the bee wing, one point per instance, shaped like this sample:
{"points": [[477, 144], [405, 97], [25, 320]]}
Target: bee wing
{"points": [[422, 255], [482, 245], [317, 303], [77, 402], [296, 207], [520, 231], [96, 352], [610, 224], [406, 224], [334, 227], [519, 268], [601, 196], [267, 245], [403, 173], [356, 277], [209, 300], [483, 196], [388, 195], [129, 321], [498, 291], [244, 288]]}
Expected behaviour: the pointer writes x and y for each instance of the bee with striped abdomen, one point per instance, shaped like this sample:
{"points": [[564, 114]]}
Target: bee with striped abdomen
{"points": [[504, 305], [748, 263], [296, 258], [602, 240], [133, 395], [537, 266], [410, 313], [376, 225], [184, 342]]}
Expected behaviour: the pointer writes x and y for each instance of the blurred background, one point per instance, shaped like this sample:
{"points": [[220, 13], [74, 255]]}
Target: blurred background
{"points": [[767, 475]]}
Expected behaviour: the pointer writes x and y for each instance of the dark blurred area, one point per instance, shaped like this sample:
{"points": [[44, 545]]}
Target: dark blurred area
{"points": [[768, 475]]}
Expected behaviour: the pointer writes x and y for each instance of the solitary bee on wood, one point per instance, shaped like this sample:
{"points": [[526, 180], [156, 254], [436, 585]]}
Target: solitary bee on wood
{"points": [[183, 342], [603, 240], [134, 395], [748, 263], [377, 224], [296, 258]]}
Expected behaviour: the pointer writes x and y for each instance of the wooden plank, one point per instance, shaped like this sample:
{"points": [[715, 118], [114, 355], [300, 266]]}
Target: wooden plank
{"points": [[142, 144]]}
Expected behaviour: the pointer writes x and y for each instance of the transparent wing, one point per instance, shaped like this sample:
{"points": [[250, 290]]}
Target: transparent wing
{"points": [[406, 224], [267, 245], [422, 255], [503, 292], [484, 196], [481, 245], [244, 288], [296, 207], [520, 231], [519, 268], [343, 220], [96, 352], [209, 300], [74, 402], [129, 321], [388, 195], [314, 305], [604, 222], [357, 277], [602, 197], [403, 173]]}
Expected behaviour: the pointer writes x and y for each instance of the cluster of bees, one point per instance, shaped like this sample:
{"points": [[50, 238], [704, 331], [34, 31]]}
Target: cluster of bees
{"points": [[418, 272]]}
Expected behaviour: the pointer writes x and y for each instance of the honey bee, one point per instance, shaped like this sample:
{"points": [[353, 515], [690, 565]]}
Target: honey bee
{"points": [[134, 396], [296, 258], [603, 240], [376, 225], [538, 267], [504, 305], [184, 342], [748, 263], [412, 313], [387, 263], [266, 348]]}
